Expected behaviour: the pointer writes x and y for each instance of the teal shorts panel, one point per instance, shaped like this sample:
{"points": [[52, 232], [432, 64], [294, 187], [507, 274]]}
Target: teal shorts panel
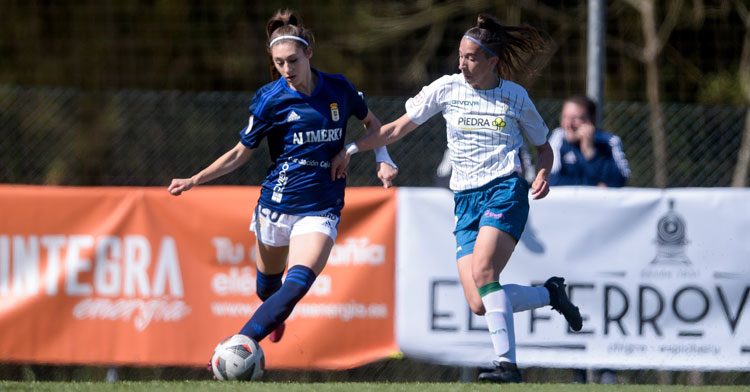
{"points": [[503, 204]]}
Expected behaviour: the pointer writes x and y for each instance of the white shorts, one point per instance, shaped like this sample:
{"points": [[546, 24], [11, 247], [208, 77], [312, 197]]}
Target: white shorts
{"points": [[275, 229]]}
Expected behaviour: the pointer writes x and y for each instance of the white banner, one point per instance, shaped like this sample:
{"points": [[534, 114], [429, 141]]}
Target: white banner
{"points": [[662, 278]]}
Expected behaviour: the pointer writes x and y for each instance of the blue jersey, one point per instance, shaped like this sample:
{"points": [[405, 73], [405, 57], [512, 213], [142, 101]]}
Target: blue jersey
{"points": [[304, 133], [608, 166]]}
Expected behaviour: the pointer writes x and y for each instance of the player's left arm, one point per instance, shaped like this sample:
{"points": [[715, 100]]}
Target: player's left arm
{"points": [[536, 131], [387, 170], [540, 186]]}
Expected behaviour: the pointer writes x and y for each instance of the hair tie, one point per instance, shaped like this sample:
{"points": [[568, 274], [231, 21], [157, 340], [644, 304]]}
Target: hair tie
{"points": [[294, 37], [476, 41]]}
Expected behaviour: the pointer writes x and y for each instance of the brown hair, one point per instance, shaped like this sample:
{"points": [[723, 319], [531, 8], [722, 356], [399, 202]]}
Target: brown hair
{"points": [[285, 22], [513, 45], [586, 103]]}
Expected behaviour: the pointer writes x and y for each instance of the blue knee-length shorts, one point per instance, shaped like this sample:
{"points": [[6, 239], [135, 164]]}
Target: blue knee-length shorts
{"points": [[502, 203]]}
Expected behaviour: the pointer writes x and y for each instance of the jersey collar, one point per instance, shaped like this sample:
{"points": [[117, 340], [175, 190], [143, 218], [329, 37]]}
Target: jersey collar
{"points": [[315, 92]]}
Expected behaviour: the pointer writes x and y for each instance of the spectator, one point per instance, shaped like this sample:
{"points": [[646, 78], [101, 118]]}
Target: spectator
{"points": [[584, 154]]}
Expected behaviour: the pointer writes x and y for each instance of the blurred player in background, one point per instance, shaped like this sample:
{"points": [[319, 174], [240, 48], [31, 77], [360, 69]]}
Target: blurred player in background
{"points": [[584, 154], [485, 114], [303, 113]]}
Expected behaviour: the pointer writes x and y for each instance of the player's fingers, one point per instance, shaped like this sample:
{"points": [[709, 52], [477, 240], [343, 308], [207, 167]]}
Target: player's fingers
{"points": [[541, 192], [173, 188], [336, 170]]}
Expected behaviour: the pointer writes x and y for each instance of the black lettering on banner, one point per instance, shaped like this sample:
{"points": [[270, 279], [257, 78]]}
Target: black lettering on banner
{"points": [[532, 319], [643, 320], [676, 309], [614, 318], [571, 289], [472, 327], [732, 320], [433, 306]]}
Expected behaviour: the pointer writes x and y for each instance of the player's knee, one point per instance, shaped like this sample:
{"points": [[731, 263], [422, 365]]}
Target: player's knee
{"points": [[474, 301], [482, 276], [298, 282], [477, 307]]}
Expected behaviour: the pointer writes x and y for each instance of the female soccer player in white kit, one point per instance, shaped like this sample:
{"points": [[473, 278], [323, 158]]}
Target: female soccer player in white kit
{"points": [[485, 114], [303, 114]]}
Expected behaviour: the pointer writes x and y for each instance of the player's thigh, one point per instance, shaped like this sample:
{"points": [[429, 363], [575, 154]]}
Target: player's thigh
{"points": [[467, 283], [492, 251], [311, 250], [271, 259]]}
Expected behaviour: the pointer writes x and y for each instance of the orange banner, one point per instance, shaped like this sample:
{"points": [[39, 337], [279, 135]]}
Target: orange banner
{"points": [[136, 276]]}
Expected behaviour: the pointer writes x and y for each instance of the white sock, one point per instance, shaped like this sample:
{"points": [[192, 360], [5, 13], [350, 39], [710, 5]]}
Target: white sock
{"points": [[499, 319], [526, 297]]}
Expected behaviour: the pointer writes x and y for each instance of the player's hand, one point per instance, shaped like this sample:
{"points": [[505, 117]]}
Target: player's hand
{"points": [[586, 132], [539, 188], [386, 174], [180, 185], [338, 165]]}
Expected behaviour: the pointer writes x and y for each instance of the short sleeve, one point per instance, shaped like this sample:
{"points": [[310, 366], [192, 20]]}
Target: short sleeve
{"points": [[254, 132], [426, 103], [532, 124], [358, 105]]}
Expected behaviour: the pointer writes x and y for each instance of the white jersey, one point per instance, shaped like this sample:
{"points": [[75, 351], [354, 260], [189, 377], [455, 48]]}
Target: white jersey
{"points": [[484, 127]]}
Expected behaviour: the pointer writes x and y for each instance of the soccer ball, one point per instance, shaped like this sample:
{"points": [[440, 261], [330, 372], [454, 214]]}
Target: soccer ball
{"points": [[238, 357]]}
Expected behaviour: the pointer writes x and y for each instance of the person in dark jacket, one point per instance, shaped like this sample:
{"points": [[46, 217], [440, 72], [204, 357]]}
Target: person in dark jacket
{"points": [[584, 154]]}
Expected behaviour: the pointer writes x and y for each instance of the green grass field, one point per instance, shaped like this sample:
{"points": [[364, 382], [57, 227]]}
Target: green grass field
{"points": [[183, 386]]}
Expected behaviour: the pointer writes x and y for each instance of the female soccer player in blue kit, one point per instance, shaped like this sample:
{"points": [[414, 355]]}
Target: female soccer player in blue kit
{"points": [[303, 114], [485, 114]]}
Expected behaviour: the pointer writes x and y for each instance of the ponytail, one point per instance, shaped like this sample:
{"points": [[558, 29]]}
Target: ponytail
{"points": [[286, 23], [515, 46]]}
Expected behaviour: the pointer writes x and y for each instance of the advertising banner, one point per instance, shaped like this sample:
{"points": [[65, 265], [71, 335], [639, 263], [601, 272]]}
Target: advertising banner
{"points": [[662, 279], [136, 276]]}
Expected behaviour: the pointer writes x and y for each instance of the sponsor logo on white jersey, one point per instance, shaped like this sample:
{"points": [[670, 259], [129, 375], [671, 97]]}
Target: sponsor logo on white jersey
{"points": [[471, 122], [464, 103], [293, 116]]}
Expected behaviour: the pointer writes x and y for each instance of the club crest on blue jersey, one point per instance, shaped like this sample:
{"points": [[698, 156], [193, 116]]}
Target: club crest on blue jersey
{"points": [[335, 111]]}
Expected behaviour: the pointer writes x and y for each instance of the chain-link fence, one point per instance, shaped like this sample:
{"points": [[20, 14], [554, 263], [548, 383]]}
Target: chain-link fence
{"points": [[144, 138], [69, 136]]}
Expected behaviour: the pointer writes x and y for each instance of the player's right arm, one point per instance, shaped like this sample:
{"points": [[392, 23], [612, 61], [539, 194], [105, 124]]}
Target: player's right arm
{"points": [[419, 109], [231, 160], [387, 134]]}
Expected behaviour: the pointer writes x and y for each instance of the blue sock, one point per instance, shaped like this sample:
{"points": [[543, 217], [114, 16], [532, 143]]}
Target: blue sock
{"points": [[274, 310], [267, 284]]}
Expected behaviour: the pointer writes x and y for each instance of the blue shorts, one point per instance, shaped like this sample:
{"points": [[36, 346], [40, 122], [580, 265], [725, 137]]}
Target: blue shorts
{"points": [[502, 203]]}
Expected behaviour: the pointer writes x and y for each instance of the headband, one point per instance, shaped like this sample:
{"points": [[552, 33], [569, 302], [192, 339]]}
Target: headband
{"points": [[294, 37], [476, 41]]}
